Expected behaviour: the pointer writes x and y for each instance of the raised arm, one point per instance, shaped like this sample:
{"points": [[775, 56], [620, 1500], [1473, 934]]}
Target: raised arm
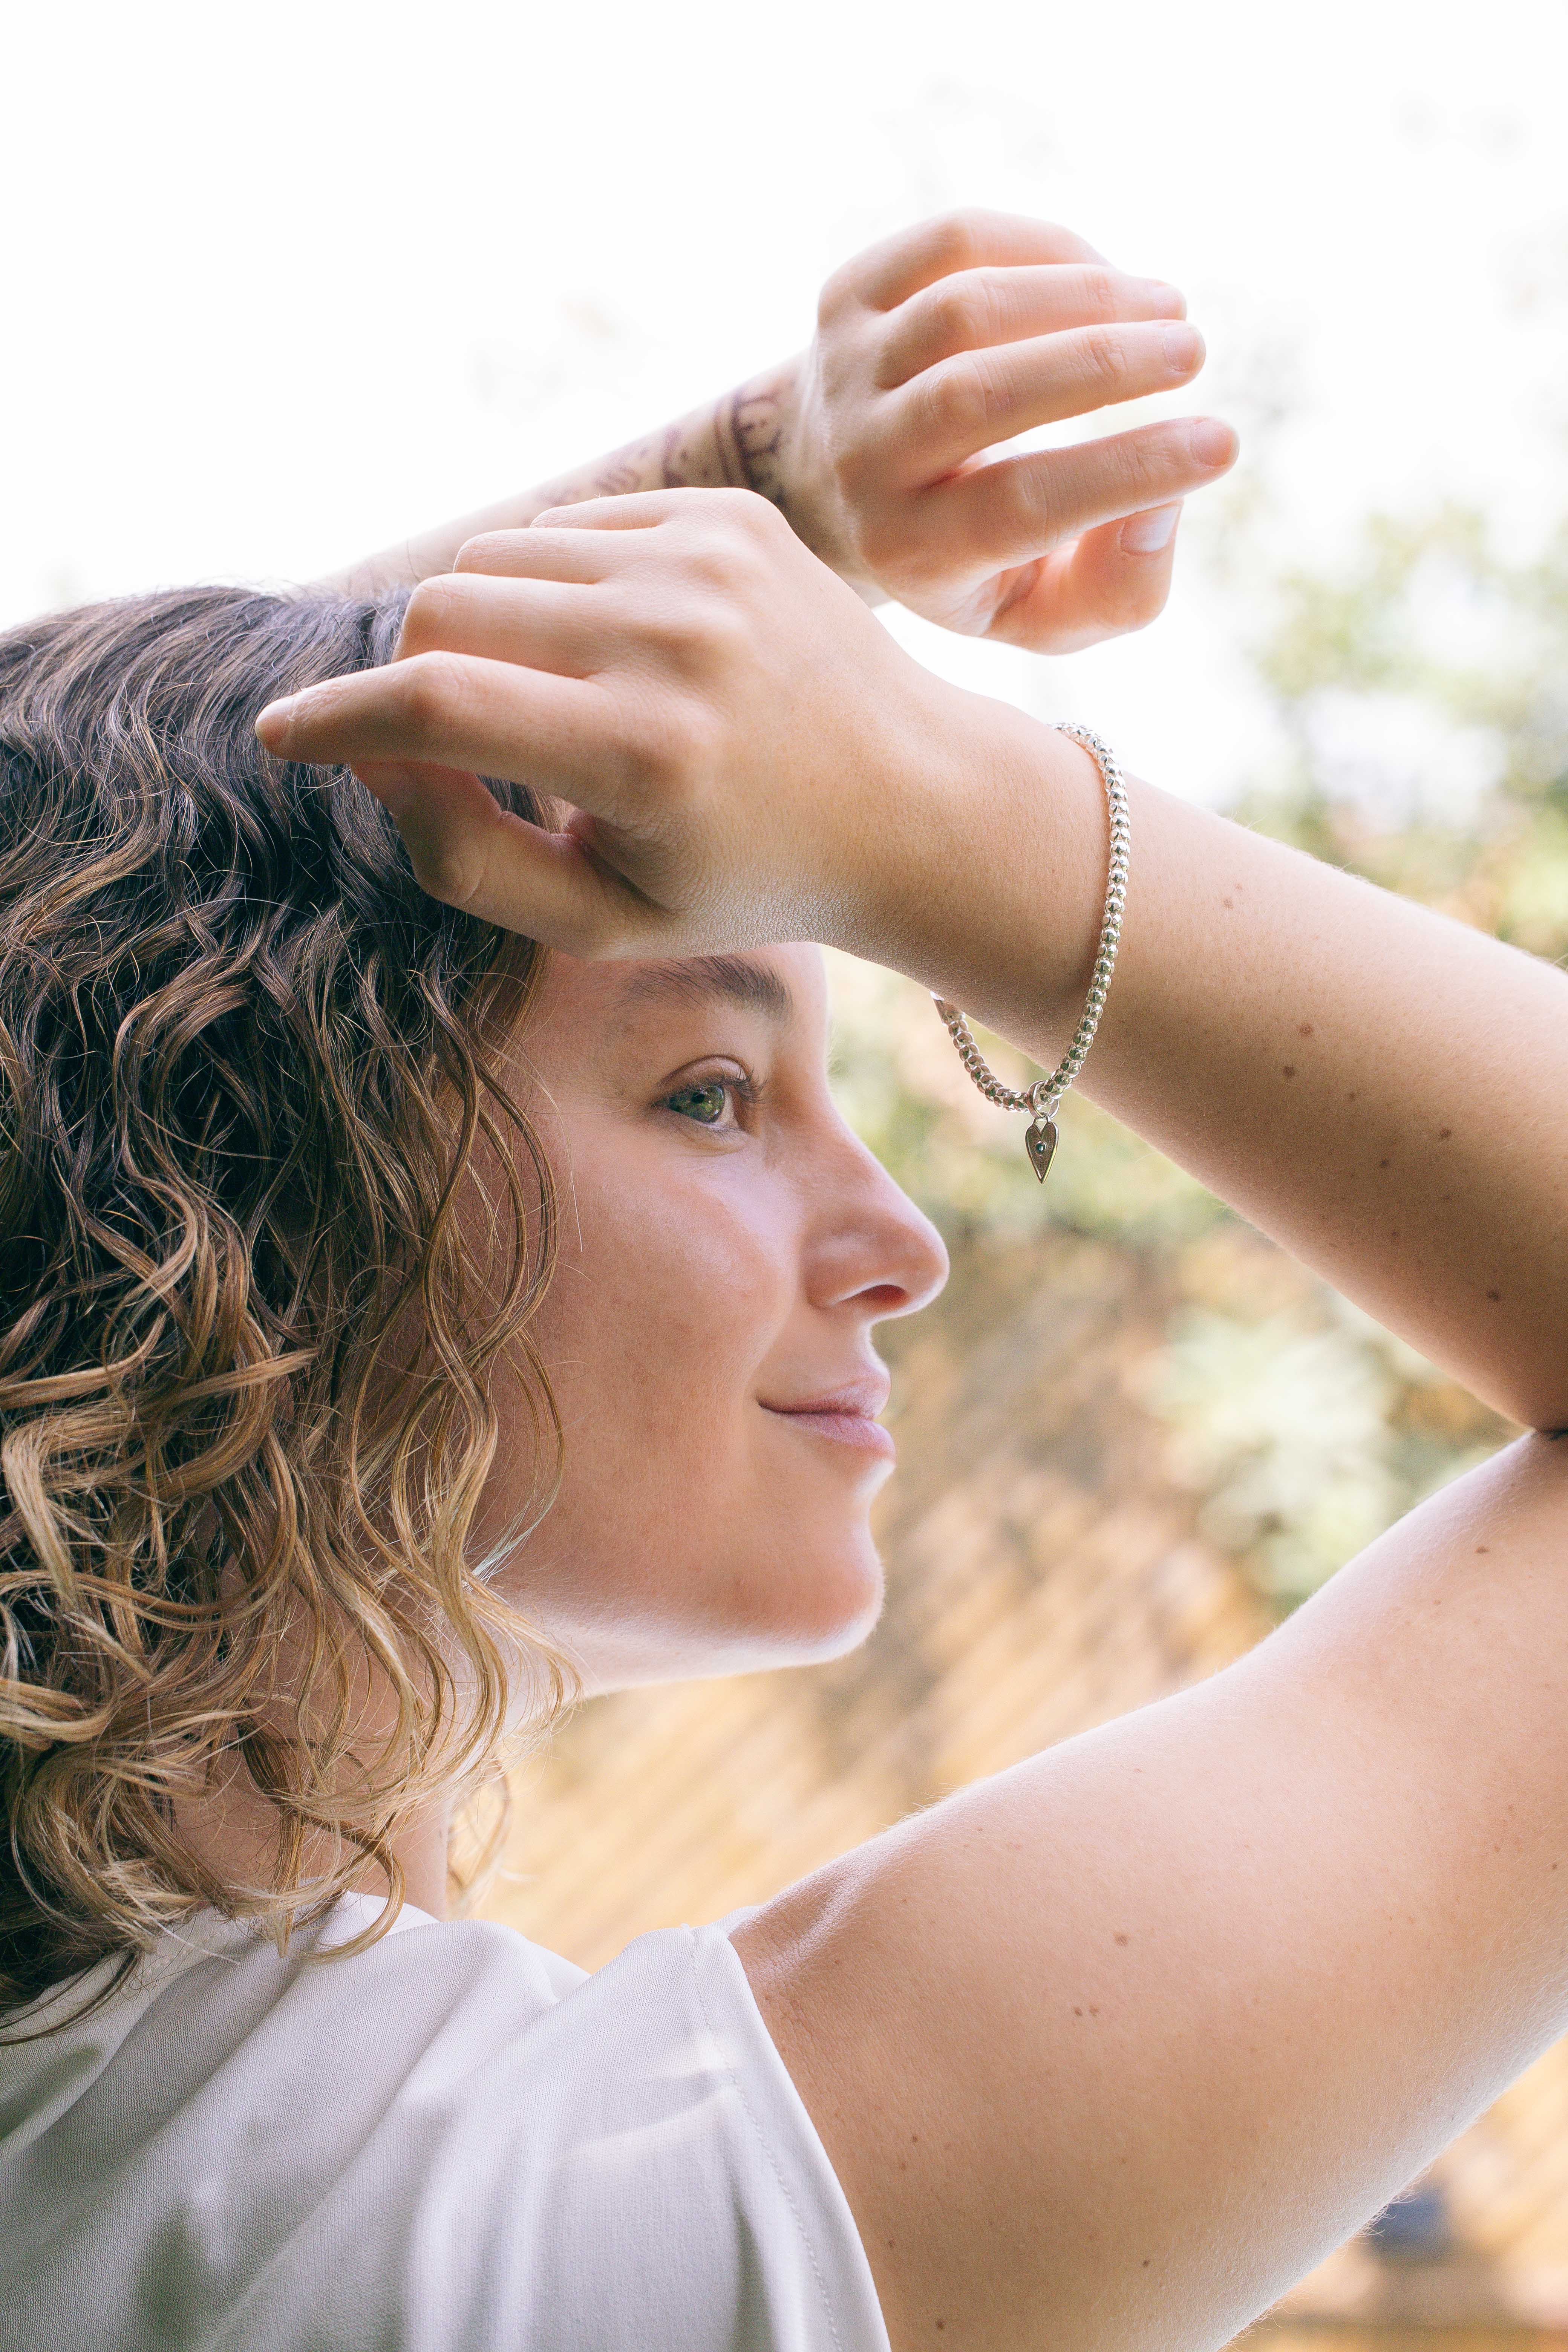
{"points": [[1376, 1084], [737, 442], [931, 349], [1109, 2049]]}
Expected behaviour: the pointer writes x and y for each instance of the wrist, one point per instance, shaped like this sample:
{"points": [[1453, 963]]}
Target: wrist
{"points": [[996, 863], [769, 422], [757, 428]]}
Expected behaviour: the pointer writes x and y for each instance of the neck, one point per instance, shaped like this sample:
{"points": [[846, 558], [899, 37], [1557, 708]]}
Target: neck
{"points": [[232, 1830]]}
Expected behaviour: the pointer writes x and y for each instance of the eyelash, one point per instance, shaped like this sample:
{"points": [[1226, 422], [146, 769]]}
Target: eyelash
{"points": [[742, 1088]]}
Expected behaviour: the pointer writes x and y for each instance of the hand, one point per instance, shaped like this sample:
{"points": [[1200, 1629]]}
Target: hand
{"points": [[939, 344], [748, 754]]}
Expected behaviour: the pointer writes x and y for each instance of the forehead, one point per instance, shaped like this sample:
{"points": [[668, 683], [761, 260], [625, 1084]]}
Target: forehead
{"points": [[599, 1005]]}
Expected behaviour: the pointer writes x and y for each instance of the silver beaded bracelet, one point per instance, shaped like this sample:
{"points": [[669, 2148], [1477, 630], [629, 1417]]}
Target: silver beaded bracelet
{"points": [[1041, 1099]]}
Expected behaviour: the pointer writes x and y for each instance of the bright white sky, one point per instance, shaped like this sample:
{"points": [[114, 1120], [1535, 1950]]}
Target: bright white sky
{"points": [[284, 281]]}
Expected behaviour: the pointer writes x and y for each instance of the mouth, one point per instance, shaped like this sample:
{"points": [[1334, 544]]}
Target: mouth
{"points": [[845, 1416]]}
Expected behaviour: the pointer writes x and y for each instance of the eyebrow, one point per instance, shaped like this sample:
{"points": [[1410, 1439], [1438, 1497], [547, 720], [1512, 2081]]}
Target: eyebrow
{"points": [[733, 977]]}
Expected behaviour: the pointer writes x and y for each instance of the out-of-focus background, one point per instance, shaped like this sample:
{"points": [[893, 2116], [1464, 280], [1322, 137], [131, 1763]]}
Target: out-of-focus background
{"points": [[281, 284]]}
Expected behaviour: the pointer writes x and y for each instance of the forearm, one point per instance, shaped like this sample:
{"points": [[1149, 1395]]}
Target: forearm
{"points": [[1383, 1090], [740, 441]]}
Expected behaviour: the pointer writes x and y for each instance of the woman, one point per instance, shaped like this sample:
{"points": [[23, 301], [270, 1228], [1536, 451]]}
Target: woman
{"points": [[331, 1203]]}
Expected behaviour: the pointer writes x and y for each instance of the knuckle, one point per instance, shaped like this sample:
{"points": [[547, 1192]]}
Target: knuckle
{"points": [[484, 551], [729, 561], [1103, 360], [447, 874], [954, 400], [1143, 465], [430, 689], [429, 609], [965, 309], [693, 624], [955, 238], [1029, 505], [452, 870], [752, 515], [766, 521], [711, 561], [1104, 295], [718, 513]]}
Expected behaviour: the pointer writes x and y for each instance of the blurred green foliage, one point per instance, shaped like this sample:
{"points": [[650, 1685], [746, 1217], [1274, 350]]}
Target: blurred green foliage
{"points": [[1418, 694]]}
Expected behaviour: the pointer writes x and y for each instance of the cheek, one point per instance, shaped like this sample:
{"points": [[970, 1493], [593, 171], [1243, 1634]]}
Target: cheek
{"points": [[690, 1532], [664, 1294]]}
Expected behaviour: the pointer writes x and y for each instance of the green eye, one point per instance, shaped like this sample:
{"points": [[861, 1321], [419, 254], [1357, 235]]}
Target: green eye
{"points": [[705, 1103]]}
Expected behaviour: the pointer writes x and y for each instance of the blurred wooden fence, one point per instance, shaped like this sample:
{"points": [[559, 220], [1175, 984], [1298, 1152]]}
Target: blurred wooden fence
{"points": [[1046, 1572]]}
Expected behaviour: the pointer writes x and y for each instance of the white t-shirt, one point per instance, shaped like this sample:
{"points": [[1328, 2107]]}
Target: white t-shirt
{"points": [[452, 2142]]}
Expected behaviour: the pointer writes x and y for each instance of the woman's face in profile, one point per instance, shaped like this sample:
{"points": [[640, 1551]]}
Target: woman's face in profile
{"points": [[726, 1246]]}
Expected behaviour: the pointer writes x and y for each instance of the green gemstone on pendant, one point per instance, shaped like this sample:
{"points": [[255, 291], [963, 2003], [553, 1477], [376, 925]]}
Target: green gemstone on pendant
{"points": [[1039, 1143]]}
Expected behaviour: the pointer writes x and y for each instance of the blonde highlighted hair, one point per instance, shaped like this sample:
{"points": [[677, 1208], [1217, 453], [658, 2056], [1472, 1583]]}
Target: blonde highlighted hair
{"points": [[247, 1069]]}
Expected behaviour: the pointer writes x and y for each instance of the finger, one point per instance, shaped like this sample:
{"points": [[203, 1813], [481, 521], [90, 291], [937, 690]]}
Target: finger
{"points": [[567, 627], [648, 510], [971, 402], [540, 552], [598, 537], [470, 853], [889, 273], [561, 735], [1023, 507], [1105, 584], [976, 308]]}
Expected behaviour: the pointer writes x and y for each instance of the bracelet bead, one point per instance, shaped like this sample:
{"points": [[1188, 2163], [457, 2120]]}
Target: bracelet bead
{"points": [[1040, 1099]]}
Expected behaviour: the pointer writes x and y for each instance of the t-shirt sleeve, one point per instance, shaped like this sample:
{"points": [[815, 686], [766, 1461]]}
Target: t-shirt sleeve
{"points": [[677, 2197]]}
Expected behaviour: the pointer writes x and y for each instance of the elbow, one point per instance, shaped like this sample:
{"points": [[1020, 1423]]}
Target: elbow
{"points": [[1537, 1406]]}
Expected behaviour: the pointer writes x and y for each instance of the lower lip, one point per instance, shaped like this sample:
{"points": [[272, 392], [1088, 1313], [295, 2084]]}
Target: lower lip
{"points": [[845, 1429]]}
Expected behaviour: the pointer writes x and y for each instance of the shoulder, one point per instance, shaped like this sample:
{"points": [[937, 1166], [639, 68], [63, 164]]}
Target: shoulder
{"points": [[544, 2157]]}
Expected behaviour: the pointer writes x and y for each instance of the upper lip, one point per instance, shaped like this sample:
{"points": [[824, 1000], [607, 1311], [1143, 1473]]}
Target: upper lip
{"points": [[865, 1397]]}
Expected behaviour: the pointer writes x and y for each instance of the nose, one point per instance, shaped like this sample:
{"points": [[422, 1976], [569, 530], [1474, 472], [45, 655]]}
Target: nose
{"points": [[869, 1245]]}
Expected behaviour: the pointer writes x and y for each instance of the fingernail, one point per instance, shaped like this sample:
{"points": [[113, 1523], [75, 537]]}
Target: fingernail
{"points": [[1212, 443], [1146, 534], [1183, 348], [1164, 302]]}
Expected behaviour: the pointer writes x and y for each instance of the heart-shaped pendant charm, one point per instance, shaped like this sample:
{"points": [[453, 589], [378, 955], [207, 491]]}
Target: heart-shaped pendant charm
{"points": [[1039, 1143]]}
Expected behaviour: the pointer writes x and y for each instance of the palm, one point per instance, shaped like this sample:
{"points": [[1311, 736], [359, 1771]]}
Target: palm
{"points": [[1057, 603]]}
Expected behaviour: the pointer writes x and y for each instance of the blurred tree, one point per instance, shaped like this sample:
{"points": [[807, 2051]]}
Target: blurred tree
{"points": [[1419, 693]]}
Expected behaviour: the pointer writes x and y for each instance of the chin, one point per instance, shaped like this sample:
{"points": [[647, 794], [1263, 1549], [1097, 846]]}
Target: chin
{"points": [[808, 1591], [817, 1601]]}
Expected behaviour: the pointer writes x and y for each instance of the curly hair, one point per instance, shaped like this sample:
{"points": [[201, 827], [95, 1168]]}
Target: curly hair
{"points": [[251, 1082]]}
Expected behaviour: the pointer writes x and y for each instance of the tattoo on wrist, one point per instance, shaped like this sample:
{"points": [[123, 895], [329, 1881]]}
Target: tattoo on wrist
{"points": [[749, 430], [739, 444]]}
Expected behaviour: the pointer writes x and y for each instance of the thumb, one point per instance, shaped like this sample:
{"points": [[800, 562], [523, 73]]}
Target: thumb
{"points": [[470, 853], [1114, 579]]}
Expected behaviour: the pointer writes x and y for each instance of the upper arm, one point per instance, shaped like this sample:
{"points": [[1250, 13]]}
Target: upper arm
{"points": [[1110, 2049]]}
